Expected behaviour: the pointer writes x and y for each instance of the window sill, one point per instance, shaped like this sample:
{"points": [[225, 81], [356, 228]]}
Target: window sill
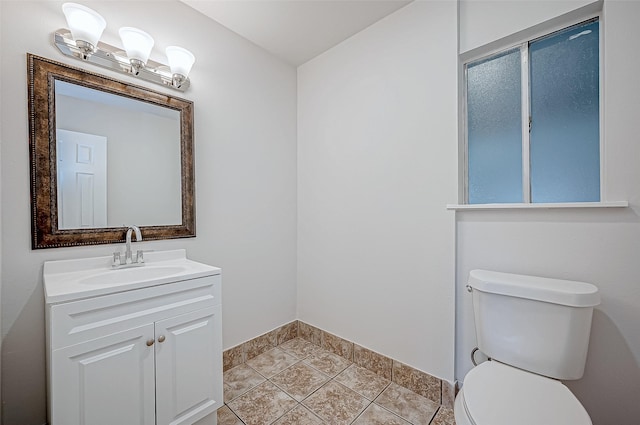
{"points": [[564, 205]]}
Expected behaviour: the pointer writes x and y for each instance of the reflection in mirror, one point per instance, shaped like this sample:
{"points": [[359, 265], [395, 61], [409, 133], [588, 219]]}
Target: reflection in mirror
{"points": [[118, 160], [106, 154]]}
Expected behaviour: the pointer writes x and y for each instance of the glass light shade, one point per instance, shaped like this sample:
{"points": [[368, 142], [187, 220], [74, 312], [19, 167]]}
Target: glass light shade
{"points": [[180, 60], [137, 43], [85, 24]]}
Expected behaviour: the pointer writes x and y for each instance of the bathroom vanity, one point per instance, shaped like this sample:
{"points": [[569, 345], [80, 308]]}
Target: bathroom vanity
{"points": [[139, 345]]}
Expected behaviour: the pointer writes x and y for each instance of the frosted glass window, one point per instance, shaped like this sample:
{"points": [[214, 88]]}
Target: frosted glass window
{"points": [[533, 121], [494, 129], [565, 116]]}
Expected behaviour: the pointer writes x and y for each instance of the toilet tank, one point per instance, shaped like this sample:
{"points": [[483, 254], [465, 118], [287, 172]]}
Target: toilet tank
{"points": [[537, 324]]}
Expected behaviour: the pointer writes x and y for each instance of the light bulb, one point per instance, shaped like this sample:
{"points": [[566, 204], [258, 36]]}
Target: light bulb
{"points": [[138, 45], [180, 61], [86, 26]]}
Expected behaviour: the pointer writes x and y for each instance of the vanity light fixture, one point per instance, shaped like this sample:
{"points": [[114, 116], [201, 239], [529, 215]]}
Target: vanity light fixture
{"points": [[81, 41]]}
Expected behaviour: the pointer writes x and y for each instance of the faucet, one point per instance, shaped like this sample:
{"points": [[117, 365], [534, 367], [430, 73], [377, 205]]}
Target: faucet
{"points": [[127, 252], [128, 261]]}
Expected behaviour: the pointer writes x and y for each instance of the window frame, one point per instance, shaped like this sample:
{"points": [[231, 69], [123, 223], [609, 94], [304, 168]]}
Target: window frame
{"points": [[523, 45]]}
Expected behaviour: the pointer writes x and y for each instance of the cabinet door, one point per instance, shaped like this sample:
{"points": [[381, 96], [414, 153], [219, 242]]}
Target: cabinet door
{"points": [[105, 381], [188, 366]]}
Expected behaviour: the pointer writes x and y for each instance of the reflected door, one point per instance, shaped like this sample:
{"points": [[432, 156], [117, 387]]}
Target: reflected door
{"points": [[82, 180]]}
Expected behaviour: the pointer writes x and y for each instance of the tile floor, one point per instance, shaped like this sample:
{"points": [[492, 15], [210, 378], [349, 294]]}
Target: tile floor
{"points": [[298, 383]]}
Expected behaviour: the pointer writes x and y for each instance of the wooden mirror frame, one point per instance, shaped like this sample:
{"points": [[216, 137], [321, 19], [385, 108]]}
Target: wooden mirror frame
{"points": [[42, 74]]}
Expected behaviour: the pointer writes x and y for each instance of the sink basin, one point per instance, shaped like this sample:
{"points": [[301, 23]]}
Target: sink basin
{"points": [[68, 280], [138, 274]]}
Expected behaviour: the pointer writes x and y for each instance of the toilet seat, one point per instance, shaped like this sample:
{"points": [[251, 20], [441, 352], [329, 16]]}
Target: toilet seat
{"points": [[498, 394]]}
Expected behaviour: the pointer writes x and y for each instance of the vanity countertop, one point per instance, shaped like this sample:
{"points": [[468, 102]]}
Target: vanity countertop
{"points": [[69, 280]]}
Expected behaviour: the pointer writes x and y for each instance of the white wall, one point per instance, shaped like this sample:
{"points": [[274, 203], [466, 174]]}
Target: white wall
{"points": [[377, 135], [482, 22], [245, 145], [597, 246]]}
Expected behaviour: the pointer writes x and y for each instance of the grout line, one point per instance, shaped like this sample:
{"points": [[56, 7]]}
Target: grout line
{"points": [[312, 412], [393, 362], [435, 414], [393, 413], [285, 413]]}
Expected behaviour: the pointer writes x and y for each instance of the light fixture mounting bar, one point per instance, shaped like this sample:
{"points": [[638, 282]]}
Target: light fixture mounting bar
{"points": [[107, 56]]}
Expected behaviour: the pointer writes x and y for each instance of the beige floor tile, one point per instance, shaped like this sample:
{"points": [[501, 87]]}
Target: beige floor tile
{"points": [[299, 380], [227, 417], [336, 404], [408, 405], [300, 415], [299, 348], [444, 417], [362, 381], [239, 380], [327, 363], [268, 389], [376, 415], [272, 362], [262, 405]]}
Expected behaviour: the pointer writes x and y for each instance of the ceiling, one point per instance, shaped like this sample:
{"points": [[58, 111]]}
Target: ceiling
{"points": [[296, 30]]}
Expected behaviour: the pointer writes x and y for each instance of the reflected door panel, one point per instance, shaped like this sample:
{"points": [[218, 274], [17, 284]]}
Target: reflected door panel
{"points": [[82, 180]]}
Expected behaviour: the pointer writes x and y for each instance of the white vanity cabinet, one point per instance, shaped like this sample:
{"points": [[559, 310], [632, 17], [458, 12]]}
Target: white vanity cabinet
{"points": [[145, 356]]}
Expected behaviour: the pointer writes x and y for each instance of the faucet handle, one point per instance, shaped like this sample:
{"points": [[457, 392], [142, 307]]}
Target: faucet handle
{"points": [[116, 259], [140, 254]]}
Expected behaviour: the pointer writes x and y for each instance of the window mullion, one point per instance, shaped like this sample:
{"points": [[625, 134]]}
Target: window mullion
{"points": [[526, 124]]}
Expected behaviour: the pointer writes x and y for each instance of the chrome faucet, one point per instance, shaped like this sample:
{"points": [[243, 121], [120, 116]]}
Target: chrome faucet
{"points": [[128, 256], [127, 252]]}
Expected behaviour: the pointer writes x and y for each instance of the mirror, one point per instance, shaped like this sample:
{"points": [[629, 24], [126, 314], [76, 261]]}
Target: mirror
{"points": [[115, 171], [104, 155]]}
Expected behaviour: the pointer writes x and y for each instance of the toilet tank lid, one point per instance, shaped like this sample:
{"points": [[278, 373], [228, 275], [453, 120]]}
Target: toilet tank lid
{"points": [[555, 291]]}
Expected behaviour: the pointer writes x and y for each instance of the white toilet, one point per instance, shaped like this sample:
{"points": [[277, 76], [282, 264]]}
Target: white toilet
{"points": [[535, 331]]}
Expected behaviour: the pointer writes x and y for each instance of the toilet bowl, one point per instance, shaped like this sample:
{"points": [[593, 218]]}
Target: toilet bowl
{"points": [[497, 394]]}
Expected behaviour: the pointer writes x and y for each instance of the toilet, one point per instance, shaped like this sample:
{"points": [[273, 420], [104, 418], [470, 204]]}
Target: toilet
{"points": [[535, 332]]}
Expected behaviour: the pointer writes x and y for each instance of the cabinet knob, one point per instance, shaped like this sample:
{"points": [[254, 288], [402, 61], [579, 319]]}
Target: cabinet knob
{"points": [[161, 338], [150, 342]]}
